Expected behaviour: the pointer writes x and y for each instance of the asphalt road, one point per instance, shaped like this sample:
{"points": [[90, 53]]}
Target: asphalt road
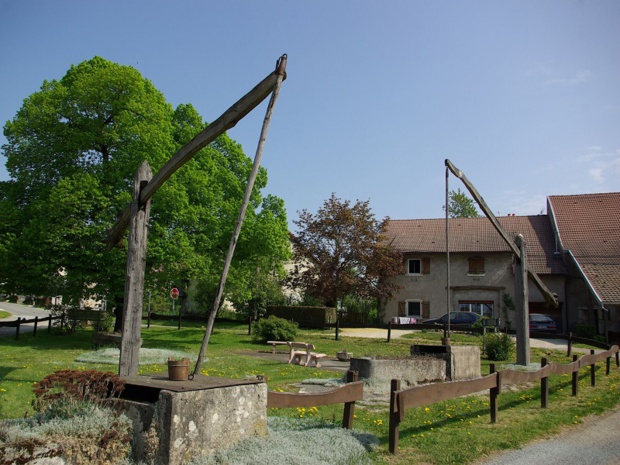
{"points": [[595, 441], [21, 311]]}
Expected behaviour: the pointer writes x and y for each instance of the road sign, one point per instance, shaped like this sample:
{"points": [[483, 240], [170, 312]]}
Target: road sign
{"points": [[174, 293]]}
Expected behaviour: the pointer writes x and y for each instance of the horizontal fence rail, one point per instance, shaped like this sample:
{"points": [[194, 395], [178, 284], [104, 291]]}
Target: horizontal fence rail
{"points": [[347, 395], [36, 320], [417, 396]]}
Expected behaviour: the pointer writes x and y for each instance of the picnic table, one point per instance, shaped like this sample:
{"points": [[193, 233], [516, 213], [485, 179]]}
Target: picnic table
{"points": [[300, 353]]}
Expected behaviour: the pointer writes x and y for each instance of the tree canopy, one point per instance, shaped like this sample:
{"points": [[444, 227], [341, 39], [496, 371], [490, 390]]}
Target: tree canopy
{"points": [[461, 206], [340, 251], [72, 150]]}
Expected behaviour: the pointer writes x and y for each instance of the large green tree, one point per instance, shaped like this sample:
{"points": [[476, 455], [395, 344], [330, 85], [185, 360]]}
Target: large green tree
{"points": [[341, 251], [71, 153]]}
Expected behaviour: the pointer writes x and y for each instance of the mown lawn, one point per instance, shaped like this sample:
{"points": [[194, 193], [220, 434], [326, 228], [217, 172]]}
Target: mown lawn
{"points": [[457, 431]]}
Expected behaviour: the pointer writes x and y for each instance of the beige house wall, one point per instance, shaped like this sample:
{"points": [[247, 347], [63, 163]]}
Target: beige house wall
{"points": [[498, 278]]}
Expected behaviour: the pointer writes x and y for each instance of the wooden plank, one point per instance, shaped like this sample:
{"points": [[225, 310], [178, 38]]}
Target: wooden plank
{"points": [[134, 279], [591, 359], [419, 396], [563, 368], [507, 377], [348, 393], [225, 122]]}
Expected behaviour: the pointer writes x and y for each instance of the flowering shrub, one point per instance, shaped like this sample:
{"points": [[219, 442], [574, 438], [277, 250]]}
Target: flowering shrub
{"points": [[64, 392]]}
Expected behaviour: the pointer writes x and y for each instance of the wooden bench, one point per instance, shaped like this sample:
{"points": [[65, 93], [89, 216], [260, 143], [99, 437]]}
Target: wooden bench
{"points": [[301, 353], [274, 344]]}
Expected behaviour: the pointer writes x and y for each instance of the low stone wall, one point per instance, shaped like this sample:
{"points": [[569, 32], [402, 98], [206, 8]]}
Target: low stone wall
{"points": [[183, 425], [411, 371], [462, 362]]}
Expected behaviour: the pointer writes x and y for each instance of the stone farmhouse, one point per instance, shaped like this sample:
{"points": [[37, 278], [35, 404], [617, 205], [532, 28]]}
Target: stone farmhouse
{"points": [[574, 248]]}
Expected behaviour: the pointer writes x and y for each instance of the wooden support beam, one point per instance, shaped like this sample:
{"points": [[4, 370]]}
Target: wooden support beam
{"points": [[225, 122], [522, 309], [549, 296], [134, 280]]}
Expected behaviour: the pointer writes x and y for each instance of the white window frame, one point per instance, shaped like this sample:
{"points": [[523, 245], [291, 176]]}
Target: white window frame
{"points": [[419, 302], [419, 260]]}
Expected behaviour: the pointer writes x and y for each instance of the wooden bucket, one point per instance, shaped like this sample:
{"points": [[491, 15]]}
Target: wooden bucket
{"points": [[178, 370]]}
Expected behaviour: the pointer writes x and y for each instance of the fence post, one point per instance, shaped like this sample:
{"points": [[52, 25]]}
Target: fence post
{"points": [[62, 321], [592, 371], [493, 394], [607, 365], [394, 417], [337, 328], [49, 324], [575, 377], [544, 386], [389, 331], [36, 323], [349, 407], [17, 328], [569, 345], [250, 325]]}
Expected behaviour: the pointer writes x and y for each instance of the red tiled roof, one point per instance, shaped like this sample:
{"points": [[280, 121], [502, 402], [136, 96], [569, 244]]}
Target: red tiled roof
{"points": [[477, 235], [589, 226]]}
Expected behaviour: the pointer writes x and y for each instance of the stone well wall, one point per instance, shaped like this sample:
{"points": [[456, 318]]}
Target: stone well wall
{"points": [[462, 362], [412, 371], [184, 425]]}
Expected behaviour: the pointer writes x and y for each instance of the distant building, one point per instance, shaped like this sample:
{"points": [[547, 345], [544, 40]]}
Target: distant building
{"points": [[575, 249]]}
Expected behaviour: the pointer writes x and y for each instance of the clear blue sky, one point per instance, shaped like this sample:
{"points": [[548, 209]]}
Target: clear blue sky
{"points": [[523, 96]]}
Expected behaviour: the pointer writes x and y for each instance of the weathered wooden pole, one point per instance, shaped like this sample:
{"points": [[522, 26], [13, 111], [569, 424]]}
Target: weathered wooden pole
{"points": [[522, 307], [549, 296], [134, 280], [281, 74]]}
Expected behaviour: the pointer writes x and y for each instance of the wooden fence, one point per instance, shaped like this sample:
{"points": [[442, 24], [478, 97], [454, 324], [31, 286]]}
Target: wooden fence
{"points": [[36, 320], [402, 400], [347, 395]]}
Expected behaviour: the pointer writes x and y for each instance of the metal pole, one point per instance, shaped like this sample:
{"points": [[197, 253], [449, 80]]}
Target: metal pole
{"points": [[448, 254]]}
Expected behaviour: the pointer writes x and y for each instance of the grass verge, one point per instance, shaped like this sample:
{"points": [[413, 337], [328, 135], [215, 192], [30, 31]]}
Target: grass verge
{"points": [[434, 434]]}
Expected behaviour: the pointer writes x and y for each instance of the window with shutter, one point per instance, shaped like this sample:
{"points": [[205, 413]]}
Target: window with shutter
{"points": [[414, 308], [402, 309], [476, 266], [414, 266]]}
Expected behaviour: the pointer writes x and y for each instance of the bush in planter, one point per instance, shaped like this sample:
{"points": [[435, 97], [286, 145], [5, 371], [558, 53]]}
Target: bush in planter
{"points": [[274, 329], [498, 346]]}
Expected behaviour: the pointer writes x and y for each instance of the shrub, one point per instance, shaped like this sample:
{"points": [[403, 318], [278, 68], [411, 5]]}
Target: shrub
{"points": [[498, 346], [302, 442], [585, 331], [274, 329], [64, 392]]}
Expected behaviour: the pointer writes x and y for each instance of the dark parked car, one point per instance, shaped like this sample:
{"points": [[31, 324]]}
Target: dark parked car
{"points": [[540, 322], [456, 318]]}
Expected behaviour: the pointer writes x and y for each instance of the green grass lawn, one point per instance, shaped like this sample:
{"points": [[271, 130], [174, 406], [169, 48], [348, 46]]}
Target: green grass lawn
{"points": [[456, 431]]}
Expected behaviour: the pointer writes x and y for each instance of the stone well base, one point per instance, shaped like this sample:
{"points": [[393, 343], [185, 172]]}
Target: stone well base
{"points": [[175, 421], [412, 371], [462, 362]]}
